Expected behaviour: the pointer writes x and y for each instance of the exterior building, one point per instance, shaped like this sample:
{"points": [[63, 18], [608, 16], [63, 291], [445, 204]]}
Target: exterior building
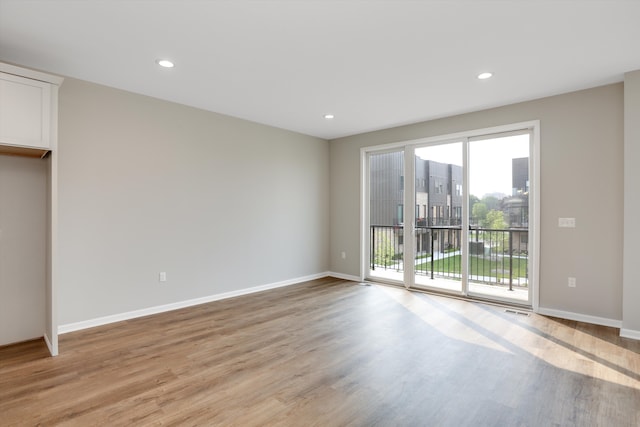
{"points": [[516, 207], [438, 192], [438, 201]]}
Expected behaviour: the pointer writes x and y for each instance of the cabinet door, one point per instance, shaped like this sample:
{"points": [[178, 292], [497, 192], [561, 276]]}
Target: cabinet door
{"points": [[25, 107]]}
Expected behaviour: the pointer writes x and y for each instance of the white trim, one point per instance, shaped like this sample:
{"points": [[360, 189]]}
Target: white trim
{"points": [[533, 128], [464, 247], [580, 317], [85, 324], [439, 139], [52, 321], [364, 213], [534, 222], [344, 276], [53, 350], [30, 74], [630, 333], [409, 216]]}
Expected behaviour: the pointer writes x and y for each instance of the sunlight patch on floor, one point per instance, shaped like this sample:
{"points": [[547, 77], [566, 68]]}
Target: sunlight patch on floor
{"points": [[559, 345], [439, 319]]}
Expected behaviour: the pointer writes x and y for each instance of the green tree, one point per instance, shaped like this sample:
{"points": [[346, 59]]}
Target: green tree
{"points": [[472, 201], [383, 251], [479, 213], [492, 203], [495, 220]]}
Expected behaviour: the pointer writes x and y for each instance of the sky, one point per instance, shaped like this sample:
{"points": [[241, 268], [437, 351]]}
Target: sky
{"points": [[489, 161]]}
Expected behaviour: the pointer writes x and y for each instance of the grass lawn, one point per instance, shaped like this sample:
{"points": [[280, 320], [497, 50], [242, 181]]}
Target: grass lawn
{"points": [[478, 266]]}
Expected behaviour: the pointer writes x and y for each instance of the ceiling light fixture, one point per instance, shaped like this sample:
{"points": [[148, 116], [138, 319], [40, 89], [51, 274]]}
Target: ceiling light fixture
{"points": [[165, 63], [329, 116], [484, 76]]}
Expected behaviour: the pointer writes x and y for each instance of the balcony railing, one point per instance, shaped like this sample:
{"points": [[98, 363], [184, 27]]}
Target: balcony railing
{"points": [[497, 257]]}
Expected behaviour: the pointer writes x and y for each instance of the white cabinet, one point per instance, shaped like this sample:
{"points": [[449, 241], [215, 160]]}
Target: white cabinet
{"points": [[25, 112], [29, 196], [28, 111]]}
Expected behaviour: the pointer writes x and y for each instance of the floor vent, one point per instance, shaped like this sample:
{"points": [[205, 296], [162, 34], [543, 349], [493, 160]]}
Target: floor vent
{"points": [[522, 313]]}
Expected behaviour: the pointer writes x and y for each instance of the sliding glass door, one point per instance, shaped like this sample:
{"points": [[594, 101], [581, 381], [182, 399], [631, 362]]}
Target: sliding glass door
{"points": [[453, 216], [499, 217], [386, 188], [438, 216]]}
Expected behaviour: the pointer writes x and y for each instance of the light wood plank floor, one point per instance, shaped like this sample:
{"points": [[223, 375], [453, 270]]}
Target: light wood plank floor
{"points": [[328, 353]]}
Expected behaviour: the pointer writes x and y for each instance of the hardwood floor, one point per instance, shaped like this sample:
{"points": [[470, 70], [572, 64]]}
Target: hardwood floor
{"points": [[328, 353]]}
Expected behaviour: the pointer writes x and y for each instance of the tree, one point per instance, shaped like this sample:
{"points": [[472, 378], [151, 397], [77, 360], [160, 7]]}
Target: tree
{"points": [[383, 251], [495, 220], [479, 213], [492, 203], [472, 201]]}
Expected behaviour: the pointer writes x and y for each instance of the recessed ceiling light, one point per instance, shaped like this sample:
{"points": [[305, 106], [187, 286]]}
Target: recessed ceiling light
{"points": [[329, 116], [484, 76], [165, 63]]}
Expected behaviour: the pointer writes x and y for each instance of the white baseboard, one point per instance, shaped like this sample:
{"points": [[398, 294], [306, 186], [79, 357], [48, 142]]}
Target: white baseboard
{"points": [[52, 349], [85, 324], [344, 276], [630, 333], [580, 317]]}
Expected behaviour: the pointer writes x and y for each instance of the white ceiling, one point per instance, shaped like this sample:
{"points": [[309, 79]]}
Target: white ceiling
{"points": [[374, 64]]}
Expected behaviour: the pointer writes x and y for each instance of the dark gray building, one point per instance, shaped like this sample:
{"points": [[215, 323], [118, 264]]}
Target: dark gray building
{"points": [[438, 191], [520, 175], [516, 207], [438, 201]]}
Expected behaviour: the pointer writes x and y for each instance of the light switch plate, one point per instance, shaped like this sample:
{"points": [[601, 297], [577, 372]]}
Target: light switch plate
{"points": [[567, 222]]}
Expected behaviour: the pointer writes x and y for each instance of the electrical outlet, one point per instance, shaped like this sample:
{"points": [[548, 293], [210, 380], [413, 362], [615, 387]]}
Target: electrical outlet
{"points": [[572, 282], [162, 276], [343, 254]]}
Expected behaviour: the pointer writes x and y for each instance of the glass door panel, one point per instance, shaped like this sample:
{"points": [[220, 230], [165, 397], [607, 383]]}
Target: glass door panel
{"points": [[438, 217], [386, 215], [498, 233]]}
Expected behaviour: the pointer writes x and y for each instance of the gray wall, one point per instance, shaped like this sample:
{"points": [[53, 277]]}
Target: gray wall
{"points": [[581, 169], [23, 237], [631, 319], [218, 203]]}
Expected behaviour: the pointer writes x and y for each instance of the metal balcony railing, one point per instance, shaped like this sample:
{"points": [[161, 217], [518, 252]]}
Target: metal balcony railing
{"points": [[496, 256]]}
